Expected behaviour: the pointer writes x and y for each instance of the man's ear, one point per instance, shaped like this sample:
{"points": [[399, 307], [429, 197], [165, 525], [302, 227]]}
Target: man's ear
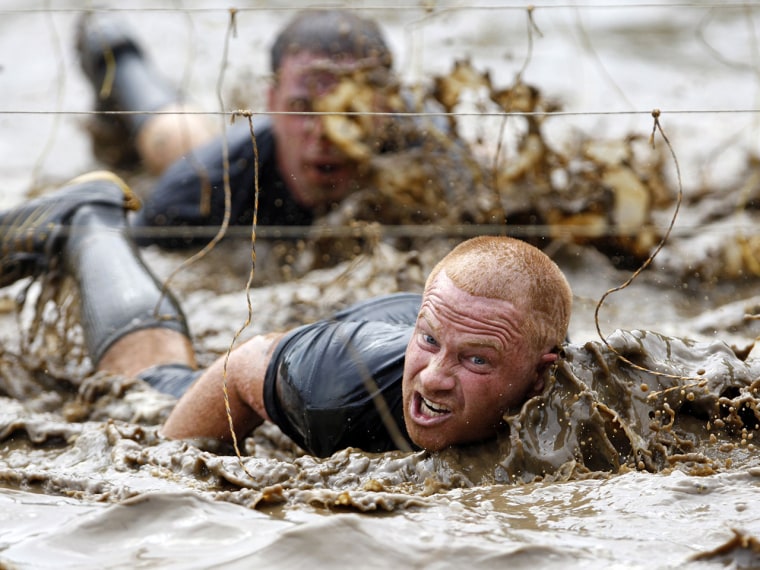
{"points": [[546, 360]]}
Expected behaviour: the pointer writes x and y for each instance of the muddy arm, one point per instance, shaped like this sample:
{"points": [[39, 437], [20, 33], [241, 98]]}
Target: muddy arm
{"points": [[201, 411]]}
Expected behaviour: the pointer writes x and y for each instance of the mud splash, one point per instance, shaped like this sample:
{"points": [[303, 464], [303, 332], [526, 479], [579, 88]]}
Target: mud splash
{"points": [[598, 417]]}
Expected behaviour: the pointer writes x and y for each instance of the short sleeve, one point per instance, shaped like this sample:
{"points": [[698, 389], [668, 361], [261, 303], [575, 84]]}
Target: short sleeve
{"points": [[323, 381]]}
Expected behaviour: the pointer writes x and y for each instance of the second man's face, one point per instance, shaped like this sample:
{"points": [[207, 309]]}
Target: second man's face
{"points": [[316, 171]]}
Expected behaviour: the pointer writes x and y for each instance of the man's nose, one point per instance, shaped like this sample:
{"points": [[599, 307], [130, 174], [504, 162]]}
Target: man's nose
{"points": [[314, 126], [438, 374]]}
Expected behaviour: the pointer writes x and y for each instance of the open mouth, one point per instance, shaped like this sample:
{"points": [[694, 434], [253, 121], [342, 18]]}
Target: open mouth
{"points": [[429, 410], [325, 168], [326, 171], [434, 409]]}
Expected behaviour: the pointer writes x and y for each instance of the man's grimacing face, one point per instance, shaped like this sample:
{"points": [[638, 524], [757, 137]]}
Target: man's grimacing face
{"points": [[466, 364], [315, 170]]}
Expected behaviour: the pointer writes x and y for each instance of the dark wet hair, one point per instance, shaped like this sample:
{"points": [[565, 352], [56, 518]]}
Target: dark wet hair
{"points": [[333, 33]]}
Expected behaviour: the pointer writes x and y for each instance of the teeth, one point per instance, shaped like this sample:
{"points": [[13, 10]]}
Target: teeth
{"points": [[436, 410]]}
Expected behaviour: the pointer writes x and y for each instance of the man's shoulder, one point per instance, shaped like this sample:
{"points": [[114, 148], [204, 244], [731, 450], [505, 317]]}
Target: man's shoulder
{"points": [[259, 130], [324, 379], [338, 347]]}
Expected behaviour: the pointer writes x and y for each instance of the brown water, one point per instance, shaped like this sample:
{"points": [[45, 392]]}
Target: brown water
{"points": [[611, 467]]}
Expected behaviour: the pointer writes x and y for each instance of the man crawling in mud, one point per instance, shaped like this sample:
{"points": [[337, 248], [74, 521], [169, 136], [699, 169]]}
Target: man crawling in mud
{"points": [[305, 174], [394, 372]]}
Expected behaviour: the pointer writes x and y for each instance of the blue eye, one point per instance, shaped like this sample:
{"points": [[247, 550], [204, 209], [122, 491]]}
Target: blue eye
{"points": [[429, 339], [479, 360]]}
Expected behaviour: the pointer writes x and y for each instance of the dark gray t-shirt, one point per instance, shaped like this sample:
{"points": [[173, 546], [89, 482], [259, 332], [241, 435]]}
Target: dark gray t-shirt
{"points": [[176, 199], [324, 378]]}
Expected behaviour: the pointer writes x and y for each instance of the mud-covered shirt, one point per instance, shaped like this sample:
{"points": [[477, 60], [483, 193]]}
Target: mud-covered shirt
{"points": [[325, 379]]}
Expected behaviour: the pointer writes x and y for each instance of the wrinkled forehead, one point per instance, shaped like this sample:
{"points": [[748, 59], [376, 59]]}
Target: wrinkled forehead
{"points": [[443, 298]]}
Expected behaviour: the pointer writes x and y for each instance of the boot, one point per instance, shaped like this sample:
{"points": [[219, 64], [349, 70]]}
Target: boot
{"points": [[32, 235], [121, 75]]}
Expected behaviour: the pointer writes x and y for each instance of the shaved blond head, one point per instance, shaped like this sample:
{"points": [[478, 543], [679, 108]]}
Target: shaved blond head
{"points": [[514, 271]]}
